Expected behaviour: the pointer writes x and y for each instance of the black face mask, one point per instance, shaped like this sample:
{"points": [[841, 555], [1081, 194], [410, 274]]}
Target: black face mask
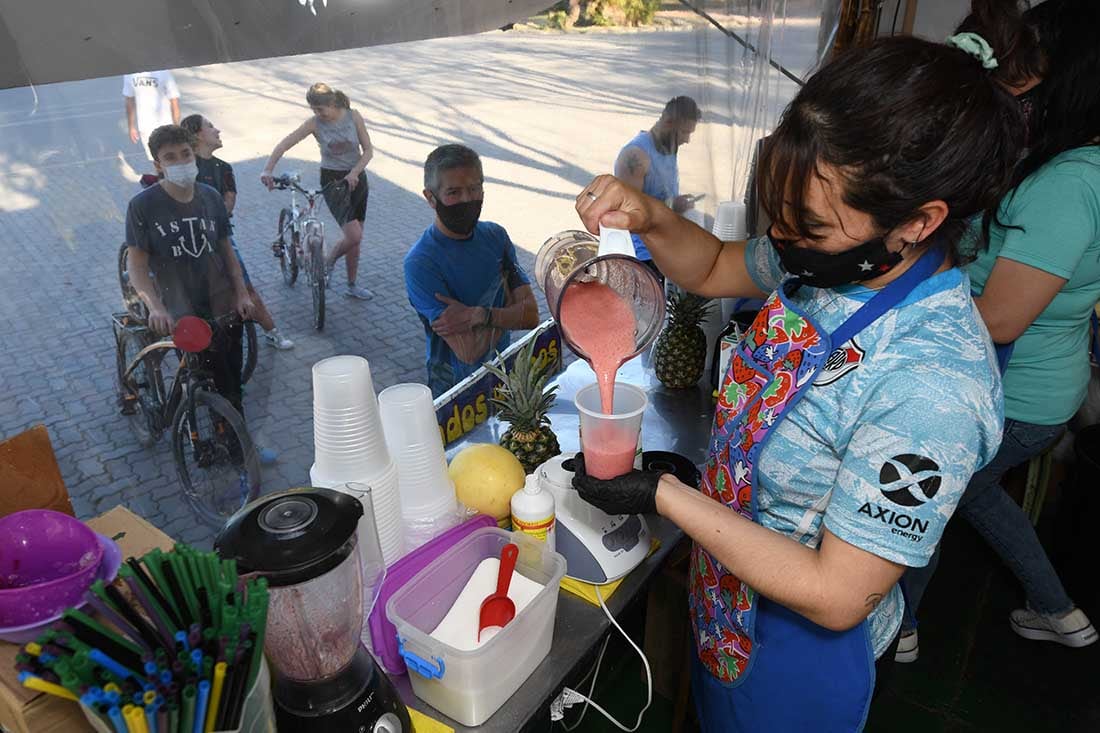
{"points": [[823, 270], [460, 218]]}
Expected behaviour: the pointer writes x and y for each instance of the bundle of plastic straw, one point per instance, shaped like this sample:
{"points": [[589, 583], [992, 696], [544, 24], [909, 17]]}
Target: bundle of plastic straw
{"points": [[185, 648]]}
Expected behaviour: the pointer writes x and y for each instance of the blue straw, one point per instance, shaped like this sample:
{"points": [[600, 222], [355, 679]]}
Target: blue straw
{"points": [[150, 669], [196, 659], [112, 697], [165, 677], [116, 719], [200, 707], [109, 664], [151, 717], [181, 637]]}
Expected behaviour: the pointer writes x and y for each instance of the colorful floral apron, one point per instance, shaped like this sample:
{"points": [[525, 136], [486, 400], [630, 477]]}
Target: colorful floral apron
{"points": [[803, 676]]}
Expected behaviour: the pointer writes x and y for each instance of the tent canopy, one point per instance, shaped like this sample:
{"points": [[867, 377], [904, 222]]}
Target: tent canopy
{"points": [[45, 41]]}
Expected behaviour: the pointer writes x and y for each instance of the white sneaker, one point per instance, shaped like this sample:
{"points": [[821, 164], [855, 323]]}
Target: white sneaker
{"points": [[279, 341], [354, 291], [908, 648], [1074, 629]]}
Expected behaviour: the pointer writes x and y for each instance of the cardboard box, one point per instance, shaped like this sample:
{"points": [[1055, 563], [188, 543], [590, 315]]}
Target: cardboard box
{"points": [[26, 711]]}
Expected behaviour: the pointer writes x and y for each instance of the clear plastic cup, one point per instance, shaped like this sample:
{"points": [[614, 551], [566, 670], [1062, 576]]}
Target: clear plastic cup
{"points": [[731, 221], [414, 442], [343, 382], [611, 443]]}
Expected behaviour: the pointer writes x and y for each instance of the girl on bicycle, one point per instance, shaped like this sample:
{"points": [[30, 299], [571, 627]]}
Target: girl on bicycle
{"points": [[215, 172], [345, 151]]}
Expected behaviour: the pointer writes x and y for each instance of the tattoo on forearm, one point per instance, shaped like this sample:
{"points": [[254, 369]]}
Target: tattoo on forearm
{"points": [[873, 600], [633, 163]]}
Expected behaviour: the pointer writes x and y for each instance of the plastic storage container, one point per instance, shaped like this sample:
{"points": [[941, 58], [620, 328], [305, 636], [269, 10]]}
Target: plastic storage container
{"points": [[471, 686], [383, 634]]}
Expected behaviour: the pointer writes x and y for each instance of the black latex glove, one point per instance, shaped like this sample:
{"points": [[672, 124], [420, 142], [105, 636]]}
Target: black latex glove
{"points": [[631, 493]]}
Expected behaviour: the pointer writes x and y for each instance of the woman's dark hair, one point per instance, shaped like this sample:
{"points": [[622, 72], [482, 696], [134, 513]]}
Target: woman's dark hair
{"points": [[1015, 43], [1069, 107], [904, 121], [192, 123]]}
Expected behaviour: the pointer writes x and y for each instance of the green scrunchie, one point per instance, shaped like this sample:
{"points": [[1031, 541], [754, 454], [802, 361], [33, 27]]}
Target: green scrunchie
{"points": [[976, 46]]}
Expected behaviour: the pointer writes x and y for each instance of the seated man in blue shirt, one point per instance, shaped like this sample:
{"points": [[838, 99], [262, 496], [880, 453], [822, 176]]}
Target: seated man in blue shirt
{"points": [[461, 275]]}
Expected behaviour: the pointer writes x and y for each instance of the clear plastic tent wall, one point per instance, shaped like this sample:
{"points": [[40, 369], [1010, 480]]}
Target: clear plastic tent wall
{"points": [[546, 110]]}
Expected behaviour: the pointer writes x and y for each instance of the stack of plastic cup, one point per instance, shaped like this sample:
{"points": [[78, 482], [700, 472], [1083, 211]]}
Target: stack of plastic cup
{"points": [[350, 446], [611, 443], [428, 503], [731, 222]]}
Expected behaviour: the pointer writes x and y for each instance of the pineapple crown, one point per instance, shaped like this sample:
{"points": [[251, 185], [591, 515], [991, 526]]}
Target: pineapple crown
{"points": [[688, 309], [522, 399]]}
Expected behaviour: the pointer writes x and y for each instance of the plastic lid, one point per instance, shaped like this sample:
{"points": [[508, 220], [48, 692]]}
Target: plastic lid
{"points": [[531, 484], [293, 536]]}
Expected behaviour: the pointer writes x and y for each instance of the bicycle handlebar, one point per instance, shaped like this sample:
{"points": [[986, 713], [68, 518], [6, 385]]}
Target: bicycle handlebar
{"points": [[286, 181]]}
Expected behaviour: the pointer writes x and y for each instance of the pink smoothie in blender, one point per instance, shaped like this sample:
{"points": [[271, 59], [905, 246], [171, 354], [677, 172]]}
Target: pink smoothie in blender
{"points": [[602, 324]]}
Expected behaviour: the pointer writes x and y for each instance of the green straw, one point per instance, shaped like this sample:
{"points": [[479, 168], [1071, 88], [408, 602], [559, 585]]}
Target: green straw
{"points": [[183, 575], [188, 713], [112, 635], [173, 718], [153, 560]]}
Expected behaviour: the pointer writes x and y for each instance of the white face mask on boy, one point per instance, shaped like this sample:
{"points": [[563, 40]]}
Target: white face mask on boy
{"points": [[182, 174]]}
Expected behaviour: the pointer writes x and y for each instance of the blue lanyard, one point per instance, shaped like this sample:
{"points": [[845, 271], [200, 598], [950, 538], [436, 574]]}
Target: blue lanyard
{"points": [[889, 296]]}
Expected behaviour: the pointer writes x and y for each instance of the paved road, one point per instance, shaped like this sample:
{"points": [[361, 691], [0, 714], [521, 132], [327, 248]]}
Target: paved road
{"points": [[546, 112]]}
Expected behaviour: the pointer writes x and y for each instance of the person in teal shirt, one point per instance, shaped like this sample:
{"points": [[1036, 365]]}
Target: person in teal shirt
{"points": [[1036, 285]]}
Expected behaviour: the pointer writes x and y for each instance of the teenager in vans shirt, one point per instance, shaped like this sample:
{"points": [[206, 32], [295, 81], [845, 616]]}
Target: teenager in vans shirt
{"points": [[218, 174], [152, 99], [345, 151]]}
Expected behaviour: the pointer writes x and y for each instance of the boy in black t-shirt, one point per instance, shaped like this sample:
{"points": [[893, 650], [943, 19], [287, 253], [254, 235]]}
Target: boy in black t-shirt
{"points": [[218, 174], [178, 230]]}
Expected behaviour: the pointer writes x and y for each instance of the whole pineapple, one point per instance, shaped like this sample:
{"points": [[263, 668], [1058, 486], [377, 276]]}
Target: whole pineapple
{"points": [[681, 351], [523, 401]]}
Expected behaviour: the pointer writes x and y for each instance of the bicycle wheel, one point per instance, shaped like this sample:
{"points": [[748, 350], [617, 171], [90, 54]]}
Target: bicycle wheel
{"points": [[317, 265], [287, 248], [130, 300], [141, 394], [251, 351], [215, 458]]}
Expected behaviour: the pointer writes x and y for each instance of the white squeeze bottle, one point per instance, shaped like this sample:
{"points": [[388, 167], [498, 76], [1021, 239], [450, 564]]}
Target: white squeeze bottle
{"points": [[533, 511]]}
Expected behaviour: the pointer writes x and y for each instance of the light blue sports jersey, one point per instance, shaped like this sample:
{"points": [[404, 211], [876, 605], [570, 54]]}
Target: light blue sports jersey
{"points": [[882, 445]]}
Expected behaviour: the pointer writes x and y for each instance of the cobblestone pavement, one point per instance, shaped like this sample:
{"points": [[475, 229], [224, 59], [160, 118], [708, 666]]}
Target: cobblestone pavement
{"points": [[546, 112]]}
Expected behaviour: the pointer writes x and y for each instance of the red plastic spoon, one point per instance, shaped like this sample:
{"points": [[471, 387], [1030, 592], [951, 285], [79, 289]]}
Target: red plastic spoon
{"points": [[498, 609]]}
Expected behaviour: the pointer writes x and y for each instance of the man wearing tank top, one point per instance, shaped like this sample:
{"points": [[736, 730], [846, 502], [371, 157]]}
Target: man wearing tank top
{"points": [[648, 162]]}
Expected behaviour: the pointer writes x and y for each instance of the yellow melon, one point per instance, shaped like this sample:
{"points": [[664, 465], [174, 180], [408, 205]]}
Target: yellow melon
{"points": [[485, 477]]}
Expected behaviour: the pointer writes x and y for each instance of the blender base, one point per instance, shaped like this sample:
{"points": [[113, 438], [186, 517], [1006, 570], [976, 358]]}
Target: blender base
{"points": [[360, 699]]}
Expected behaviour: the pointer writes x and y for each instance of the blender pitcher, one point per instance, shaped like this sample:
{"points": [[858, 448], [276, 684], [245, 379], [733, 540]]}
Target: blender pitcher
{"points": [[573, 257], [307, 543]]}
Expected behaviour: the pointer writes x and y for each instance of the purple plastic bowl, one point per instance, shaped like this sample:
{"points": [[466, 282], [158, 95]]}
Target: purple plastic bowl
{"points": [[47, 561]]}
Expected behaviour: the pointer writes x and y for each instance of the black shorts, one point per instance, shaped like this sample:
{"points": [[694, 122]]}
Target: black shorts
{"points": [[345, 207]]}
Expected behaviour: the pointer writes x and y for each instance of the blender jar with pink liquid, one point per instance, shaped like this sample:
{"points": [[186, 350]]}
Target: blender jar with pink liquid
{"points": [[573, 257]]}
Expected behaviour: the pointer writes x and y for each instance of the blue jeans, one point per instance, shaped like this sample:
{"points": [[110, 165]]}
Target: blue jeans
{"points": [[1003, 525]]}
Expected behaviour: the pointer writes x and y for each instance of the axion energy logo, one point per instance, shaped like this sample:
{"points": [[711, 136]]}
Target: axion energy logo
{"points": [[908, 481]]}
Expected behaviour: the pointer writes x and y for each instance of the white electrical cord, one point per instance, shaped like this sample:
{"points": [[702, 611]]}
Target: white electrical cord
{"points": [[569, 697]]}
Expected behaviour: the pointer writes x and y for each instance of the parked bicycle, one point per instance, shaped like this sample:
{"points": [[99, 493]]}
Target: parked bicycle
{"points": [[133, 304], [300, 243], [214, 454]]}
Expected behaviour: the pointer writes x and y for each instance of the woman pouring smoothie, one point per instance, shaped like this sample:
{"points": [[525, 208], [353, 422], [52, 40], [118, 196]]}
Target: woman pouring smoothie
{"points": [[863, 397]]}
